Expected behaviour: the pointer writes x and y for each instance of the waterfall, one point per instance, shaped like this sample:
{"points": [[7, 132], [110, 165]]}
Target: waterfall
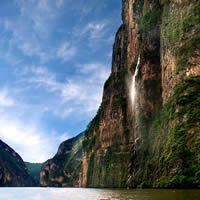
{"points": [[133, 84], [135, 111]]}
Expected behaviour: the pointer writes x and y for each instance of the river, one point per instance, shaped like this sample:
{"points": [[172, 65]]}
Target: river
{"points": [[95, 194]]}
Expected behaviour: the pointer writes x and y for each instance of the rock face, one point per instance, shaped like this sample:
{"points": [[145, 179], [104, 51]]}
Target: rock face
{"points": [[180, 42], [13, 172], [109, 138], [64, 168], [172, 159], [124, 117], [151, 139], [147, 130]]}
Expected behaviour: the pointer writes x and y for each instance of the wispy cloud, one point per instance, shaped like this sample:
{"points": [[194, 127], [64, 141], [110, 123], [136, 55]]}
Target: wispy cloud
{"points": [[96, 33], [42, 13], [31, 30], [93, 30], [5, 99], [81, 93], [93, 67], [30, 49], [66, 51]]}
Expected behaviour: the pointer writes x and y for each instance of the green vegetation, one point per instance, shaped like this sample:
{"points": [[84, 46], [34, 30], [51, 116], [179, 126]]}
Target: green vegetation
{"points": [[138, 7], [148, 20], [173, 159], [89, 143], [105, 170], [179, 31], [90, 171], [65, 165], [90, 138], [11, 161], [167, 2], [148, 17], [170, 157]]}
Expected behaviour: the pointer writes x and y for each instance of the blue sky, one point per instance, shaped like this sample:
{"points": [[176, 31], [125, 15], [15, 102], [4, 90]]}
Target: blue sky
{"points": [[55, 56]]}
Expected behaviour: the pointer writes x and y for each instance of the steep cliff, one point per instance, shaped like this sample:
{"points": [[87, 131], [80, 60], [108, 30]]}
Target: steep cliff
{"points": [[149, 137], [13, 171], [109, 138], [147, 130], [64, 168], [126, 109], [172, 158]]}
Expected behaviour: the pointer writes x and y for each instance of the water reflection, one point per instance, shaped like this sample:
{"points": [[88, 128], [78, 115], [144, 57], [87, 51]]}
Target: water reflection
{"points": [[95, 194]]}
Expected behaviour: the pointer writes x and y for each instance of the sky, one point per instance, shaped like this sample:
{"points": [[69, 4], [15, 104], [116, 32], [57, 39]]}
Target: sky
{"points": [[55, 56]]}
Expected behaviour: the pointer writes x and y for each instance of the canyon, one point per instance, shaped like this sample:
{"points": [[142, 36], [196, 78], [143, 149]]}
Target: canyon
{"points": [[146, 132]]}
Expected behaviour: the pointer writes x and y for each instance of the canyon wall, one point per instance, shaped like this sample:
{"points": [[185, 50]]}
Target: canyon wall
{"points": [[109, 138], [63, 170], [180, 43], [168, 154], [120, 130], [13, 171], [147, 130], [151, 139]]}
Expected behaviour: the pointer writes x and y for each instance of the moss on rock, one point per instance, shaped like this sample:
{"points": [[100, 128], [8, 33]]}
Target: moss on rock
{"points": [[174, 142]]}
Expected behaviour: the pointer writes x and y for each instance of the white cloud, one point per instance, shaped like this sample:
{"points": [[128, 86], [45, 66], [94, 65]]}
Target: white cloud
{"points": [[79, 96], [66, 51], [95, 30], [37, 70], [64, 113], [30, 49], [91, 67], [41, 13], [5, 99], [29, 140], [31, 29], [43, 78], [81, 93], [71, 90], [96, 33]]}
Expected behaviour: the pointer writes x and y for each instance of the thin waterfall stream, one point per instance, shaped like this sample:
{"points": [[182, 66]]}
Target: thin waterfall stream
{"points": [[134, 100], [133, 84]]}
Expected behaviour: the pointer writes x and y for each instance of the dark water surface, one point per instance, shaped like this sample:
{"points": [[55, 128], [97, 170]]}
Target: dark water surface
{"points": [[95, 194]]}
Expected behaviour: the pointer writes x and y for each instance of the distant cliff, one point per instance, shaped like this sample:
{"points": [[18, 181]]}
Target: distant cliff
{"points": [[13, 171], [34, 170], [64, 168], [147, 130]]}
